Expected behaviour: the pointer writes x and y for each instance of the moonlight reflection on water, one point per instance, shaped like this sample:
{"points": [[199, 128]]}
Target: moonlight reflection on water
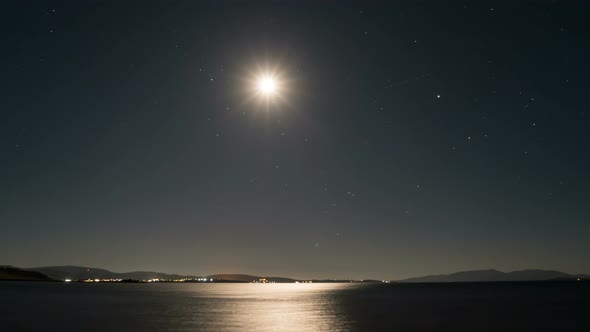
{"points": [[268, 307]]}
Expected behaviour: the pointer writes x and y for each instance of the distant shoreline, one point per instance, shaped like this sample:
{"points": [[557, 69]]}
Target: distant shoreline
{"points": [[78, 274]]}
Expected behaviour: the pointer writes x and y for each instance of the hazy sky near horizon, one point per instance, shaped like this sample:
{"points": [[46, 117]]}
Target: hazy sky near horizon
{"points": [[406, 138]]}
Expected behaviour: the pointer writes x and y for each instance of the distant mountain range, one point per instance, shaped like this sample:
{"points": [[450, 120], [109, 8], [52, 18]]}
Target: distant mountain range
{"points": [[61, 273], [81, 273], [9, 273], [249, 278], [495, 275]]}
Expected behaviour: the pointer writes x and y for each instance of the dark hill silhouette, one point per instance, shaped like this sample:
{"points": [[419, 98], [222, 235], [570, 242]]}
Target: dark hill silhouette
{"points": [[81, 272], [248, 278], [495, 275], [9, 273]]}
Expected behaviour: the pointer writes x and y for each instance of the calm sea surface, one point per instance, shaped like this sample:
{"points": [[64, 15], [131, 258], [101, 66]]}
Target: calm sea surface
{"points": [[543, 306]]}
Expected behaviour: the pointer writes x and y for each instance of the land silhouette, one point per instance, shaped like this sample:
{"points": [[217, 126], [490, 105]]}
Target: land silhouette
{"points": [[9, 273], [80, 273]]}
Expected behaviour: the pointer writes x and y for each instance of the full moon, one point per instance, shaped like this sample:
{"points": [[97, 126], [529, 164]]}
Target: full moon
{"points": [[266, 85]]}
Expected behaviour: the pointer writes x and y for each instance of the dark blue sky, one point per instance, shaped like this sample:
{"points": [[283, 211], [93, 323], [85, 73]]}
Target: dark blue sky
{"points": [[414, 138]]}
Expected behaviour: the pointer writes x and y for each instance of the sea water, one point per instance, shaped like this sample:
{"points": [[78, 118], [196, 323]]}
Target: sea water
{"points": [[535, 306]]}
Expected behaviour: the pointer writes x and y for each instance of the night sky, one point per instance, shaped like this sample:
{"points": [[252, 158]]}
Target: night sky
{"points": [[405, 139]]}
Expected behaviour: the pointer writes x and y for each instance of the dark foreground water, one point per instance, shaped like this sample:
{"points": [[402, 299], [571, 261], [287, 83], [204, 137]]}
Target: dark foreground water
{"points": [[542, 306]]}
